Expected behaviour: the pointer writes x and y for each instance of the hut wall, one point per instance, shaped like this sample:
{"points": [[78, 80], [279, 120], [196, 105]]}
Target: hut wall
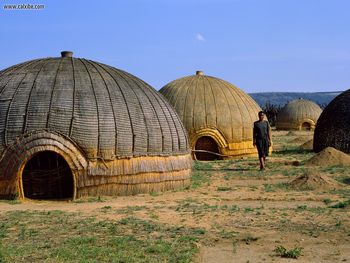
{"points": [[132, 189], [295, 125], [135, 175], [98, 177]]}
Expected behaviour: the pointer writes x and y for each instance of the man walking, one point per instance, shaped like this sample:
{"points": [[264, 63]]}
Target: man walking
{"points": [[262, 138]]}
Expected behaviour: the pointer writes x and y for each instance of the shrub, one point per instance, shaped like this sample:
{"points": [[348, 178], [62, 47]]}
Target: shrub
{"points": [[284, 253]]}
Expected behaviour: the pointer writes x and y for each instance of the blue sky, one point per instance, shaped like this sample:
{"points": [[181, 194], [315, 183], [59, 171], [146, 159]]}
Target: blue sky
{"points": [[257, 45]]}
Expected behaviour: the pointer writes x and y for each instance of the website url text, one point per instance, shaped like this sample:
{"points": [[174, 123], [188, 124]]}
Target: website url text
{"points": [[24, 7]]}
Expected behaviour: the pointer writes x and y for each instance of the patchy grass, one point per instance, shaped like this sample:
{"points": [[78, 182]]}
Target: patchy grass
{"points": [[249, 238], [201, 174], [11, 202], [224, 188], [343, 192], [344, 179], [239, 201], [292, 253], [327, 201], [69, 237], [342, 204], [203, 165], [275, 187], [93, 199], [293, 151], [196, 207], [336, 170], [130, 209]]}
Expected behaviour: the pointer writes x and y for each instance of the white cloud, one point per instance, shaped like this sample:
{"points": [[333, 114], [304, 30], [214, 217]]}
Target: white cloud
{"points": [[200, 37]]}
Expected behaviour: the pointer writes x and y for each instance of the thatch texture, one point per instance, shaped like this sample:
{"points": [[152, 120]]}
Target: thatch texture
{"points": [[212, 107], [112, 129], [298, 114], [333, 126]]}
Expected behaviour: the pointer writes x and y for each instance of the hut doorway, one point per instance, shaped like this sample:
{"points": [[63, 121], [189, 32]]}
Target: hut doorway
{"points": [[305, 126], [209, 148], [47, 176]]}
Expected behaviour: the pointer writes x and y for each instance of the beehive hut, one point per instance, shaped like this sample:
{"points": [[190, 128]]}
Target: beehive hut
{"points": [[72, 127], [298, 114], [218, 116], [333, 126]]}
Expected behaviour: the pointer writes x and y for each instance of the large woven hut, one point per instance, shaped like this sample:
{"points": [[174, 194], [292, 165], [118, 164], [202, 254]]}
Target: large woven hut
{"points": [[333, 126], [218, 116], [299, 114], [72, 127]]}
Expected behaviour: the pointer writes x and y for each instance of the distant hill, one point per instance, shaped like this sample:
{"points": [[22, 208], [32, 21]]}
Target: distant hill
{"points": [[281, 98]]}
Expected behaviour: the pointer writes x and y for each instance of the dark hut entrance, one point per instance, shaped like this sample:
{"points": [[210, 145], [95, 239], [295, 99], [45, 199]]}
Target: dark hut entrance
{"points": [[207, 149], [47, 176], [305, 126]]}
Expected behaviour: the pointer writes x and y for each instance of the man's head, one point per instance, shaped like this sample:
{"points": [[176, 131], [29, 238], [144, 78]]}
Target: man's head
{"points": [[261, 115]]}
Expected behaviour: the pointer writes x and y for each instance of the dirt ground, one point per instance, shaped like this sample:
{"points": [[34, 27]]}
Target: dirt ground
{"points": [[245, 213]]}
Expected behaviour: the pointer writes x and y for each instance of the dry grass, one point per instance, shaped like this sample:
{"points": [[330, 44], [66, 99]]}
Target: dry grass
{"points": [[230, 212]]}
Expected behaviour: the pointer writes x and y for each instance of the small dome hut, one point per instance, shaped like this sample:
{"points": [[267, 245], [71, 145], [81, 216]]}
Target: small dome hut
{"points": [[72, 127], [333, 126], [218, 116], [298, 114]]}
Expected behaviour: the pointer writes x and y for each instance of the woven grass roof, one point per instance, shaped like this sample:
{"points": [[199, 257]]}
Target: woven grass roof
{"points": [[108, 112], [296, 112], [333, 126], [209, 106], [116, 133]]}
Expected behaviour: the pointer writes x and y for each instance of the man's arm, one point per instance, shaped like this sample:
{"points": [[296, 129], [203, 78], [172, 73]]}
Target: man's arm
{"points": [[269, 133], [254, 135]]}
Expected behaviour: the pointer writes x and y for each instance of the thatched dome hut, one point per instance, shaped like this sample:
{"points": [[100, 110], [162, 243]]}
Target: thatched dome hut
{"points": [[218, 116], [72, 127], [298, 114], [333, 126]]}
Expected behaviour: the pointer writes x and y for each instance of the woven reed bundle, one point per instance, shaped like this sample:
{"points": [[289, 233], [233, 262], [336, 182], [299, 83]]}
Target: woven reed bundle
{"points": [[333, 126], [212, 107], [297, 115], [103, 121]]}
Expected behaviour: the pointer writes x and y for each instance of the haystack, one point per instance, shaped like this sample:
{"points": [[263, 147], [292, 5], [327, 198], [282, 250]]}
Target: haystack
{"points": [[333, 126], [72, 127], [313, 180], [218, 116], [329, 157], [298, 114]]}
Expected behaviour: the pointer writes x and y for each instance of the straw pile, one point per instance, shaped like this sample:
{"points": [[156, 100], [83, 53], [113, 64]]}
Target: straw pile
{"points": [[329, 157], [313, 180]]}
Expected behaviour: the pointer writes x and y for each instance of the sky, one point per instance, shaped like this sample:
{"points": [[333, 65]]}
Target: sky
{"points": [[257, 45]]}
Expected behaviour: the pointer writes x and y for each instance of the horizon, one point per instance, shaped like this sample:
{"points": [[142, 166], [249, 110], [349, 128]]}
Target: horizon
{"points": [[257, 45], [302, 92]]}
